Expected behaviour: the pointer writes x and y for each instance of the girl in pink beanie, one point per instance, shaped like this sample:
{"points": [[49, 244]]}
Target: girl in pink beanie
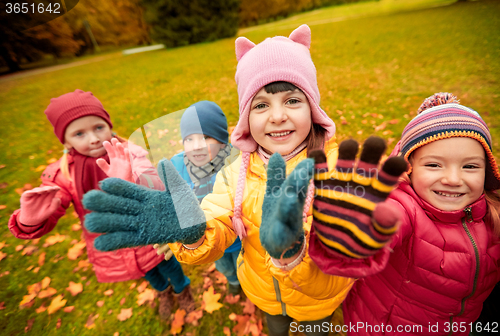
{"points": [[92, 153]]}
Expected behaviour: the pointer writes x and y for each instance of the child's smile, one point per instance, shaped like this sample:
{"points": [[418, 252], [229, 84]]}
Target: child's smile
{"points": [[201, 149], [280, 122]]}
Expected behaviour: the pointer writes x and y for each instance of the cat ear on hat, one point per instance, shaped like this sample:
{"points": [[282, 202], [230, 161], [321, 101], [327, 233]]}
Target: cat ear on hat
{"points": [[302, 35], [243, 45]]}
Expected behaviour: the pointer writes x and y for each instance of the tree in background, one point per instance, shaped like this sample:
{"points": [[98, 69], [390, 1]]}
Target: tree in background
{"points": [[177, 23]]}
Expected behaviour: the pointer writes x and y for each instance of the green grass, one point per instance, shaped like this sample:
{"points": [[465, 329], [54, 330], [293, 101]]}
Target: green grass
{"points": [[378, 62]]}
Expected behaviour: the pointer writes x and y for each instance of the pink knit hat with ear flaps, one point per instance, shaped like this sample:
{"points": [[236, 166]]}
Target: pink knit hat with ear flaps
{"points": [[273, 60]]}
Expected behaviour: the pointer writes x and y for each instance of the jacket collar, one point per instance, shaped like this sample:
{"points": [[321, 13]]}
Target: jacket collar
{"points": [[478, 208]]}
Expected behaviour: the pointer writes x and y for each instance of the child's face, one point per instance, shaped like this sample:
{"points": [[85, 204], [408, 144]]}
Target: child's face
{"points": [[449, 173], [201, 149], [280, 122], [86, 135]]}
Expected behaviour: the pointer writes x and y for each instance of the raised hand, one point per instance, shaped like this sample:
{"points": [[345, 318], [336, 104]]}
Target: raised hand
{"points": [[38, 204], [132, 215], [119, 161], [281, 229], [351, 218]]}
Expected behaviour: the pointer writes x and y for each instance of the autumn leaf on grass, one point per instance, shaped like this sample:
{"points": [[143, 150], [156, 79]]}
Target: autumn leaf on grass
{"points": [[207, 282], [47, 293], [393, 121], [147, 295], [2, 305], [2, 255], [221, 279], [194, 316], [57, 238], [45, 282], [90, 321], [27, 299], [109, 292], [142, 286], [125, 314], [232, 299], [76, 227], [3, 207], [100, 304], [380, 127], [210, 299], [41, 259], [2, 245], [243, 326], [29, 325], [211, 268], [76, 250], [178, 322], [227, 331], [58, 324], [41, 309], [56, 304], [249, 307], [19, 248], [35, 288], [74, 288], [29, 250], [69, 309]]}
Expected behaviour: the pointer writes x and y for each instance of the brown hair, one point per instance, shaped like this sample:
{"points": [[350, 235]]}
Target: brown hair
{"points": [[64, 160]]}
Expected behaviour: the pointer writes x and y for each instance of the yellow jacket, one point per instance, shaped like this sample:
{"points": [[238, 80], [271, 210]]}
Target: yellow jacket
{"points": [[305, 293]]}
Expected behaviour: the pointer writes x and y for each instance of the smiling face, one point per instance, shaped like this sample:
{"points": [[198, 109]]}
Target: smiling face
{"points": [[86, 135], [449, 173], [280, 122], [201, 149]]}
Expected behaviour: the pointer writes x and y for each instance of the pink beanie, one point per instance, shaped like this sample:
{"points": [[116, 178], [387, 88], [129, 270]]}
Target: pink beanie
{"points": [[71, 106], [275, 59]]}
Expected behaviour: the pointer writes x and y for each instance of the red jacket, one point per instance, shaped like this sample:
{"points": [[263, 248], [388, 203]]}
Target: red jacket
{"points": [[442, 268], [120, 265]]}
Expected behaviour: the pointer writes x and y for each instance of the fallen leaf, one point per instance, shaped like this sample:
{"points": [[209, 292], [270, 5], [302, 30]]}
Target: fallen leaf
{"points": [[27, 299], [227, 331], [364, 121], [52, 160], [393, 121], [3, 255], [56, 304], [125, 314], [58, 324], [36, 269], [109, 292], [232, 299], [76, 251], [193, 317], [41, 309], [122, 301], [254, 329], [243, 326], [390, 141], [344, 122], [19, 191], [232, 316], [142, 286], [76, 227], [74, 288], [29, 325], [380, 127], [147, 295], [110, 311], [3, 207], [45, 282], [116, 333], [3, 185], [211, 268], [47, 293], [57, 238], [388, 132], [207, 282], [132, 286], [100, 304], [2, 245], [40, 168], [220, 278], [359, 132], [249, 307], [19, 248], [2, 305], [28, 186], [178, 321], [41, 259], [35, 288], [90, 321], [69, 309], [210, 300], [30, 268], [29, 250]]}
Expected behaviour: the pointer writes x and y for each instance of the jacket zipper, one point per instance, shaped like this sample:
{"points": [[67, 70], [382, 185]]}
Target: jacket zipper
{"points": [[278, 296], [468, 219]]}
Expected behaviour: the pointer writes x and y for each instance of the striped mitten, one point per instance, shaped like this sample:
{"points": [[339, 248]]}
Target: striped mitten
{"points": [[351, 218]]}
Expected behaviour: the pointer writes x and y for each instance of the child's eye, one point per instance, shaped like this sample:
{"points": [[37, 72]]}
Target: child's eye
{"points": [[293, 101], [100, 127], [471, 166], [259, 106], [78, 134], [432, 165]]}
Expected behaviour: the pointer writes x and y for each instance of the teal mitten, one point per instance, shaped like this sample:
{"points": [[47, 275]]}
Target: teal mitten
{"points": [[131, 215], [281, 229]]}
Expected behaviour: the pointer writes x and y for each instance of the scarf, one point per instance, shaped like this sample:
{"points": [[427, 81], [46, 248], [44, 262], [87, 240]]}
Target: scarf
{"points": [[265, 156], [201, 176], [87, 173]]}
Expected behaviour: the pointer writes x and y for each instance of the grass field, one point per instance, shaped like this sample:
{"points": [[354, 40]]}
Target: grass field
{"points": [[375, 66]]}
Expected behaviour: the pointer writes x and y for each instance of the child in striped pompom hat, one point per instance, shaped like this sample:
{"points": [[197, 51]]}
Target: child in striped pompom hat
{"points": [[437, 270]]}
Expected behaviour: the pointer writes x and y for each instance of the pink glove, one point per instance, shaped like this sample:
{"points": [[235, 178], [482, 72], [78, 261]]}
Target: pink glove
{"points": [[38, 204], [119, 161]]}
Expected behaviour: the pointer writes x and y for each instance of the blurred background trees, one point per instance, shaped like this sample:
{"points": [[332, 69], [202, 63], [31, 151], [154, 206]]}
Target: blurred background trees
{"points": [[127, 23]]}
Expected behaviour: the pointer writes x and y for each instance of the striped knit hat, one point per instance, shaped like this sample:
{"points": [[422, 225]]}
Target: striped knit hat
{"points": [[440, 117]]}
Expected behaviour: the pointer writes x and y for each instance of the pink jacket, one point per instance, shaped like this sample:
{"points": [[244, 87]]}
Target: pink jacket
{"points": [[120, 265], [442, 267]]}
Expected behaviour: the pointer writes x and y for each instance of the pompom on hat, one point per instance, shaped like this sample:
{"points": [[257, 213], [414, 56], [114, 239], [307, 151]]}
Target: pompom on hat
{"points": [[71, 106], [440, 117], [273, 60]]}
